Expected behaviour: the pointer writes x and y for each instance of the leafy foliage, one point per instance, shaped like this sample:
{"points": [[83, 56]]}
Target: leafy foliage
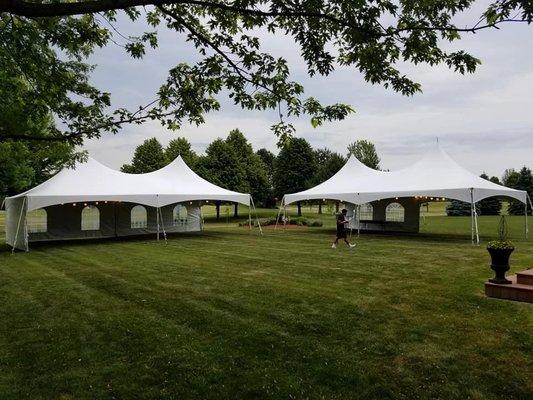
{"points": [[222, 166], [522, 180], [148, 157], [181, 147], [328, 164], [26, 164], [48, 42], [365, 151], [294, 168]]}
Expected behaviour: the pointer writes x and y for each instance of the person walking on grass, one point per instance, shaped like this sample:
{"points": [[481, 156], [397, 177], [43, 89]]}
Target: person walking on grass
{"points": [[342, 231]]}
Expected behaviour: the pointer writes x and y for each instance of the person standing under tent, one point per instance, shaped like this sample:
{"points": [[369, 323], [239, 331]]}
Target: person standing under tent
{"points": [[342, 231]]}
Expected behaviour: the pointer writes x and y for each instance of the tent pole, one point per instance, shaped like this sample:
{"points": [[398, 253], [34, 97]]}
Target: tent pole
{"points": [[256, 216], [531, 205], [157, 216], [279, 213], [163, 225], [472, 214], [250, 214], [477, 228], [358, 220], [18, 225]]}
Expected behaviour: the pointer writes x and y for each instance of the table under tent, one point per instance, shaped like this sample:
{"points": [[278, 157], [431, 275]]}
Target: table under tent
{"points": [[95, 201], [390, 201]]}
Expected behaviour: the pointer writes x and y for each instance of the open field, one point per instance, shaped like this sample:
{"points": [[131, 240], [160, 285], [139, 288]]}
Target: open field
{"points": [[230, 314]]}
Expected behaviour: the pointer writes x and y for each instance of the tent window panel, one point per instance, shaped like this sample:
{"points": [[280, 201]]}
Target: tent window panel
{"points": [[179, 215], [139, 217], [366, 212], [395, 212], [36, 221], [90, 218]]}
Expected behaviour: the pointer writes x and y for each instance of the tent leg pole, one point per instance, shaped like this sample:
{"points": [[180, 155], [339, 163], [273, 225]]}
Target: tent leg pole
{"points": [[18, 225], [525, 219], [279, 213], [472, 215], [476, 225], [257, 217], [163, 225], [157, 217], [358, 220], [250, 214]]}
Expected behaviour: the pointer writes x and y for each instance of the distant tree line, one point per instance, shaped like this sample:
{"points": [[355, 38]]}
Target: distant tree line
{"points": [[233, 164]]}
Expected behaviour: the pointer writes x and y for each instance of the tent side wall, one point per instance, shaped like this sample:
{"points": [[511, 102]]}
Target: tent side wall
{"points": [[115, 219], [16, 223], [379, 223]]}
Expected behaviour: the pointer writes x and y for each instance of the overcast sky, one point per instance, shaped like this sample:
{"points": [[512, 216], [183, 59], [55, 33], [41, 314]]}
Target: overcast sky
{"points": [[484, 120]]}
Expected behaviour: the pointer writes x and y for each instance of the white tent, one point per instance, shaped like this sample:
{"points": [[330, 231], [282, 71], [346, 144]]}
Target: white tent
{"points": [[435, 175], [92, 183]]}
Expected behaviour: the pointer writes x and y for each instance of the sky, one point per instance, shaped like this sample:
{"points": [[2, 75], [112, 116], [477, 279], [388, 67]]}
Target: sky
{"points": [[483, 120]]}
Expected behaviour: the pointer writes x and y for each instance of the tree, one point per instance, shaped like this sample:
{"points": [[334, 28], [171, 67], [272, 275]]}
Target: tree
{"points": [[365, 151], [328, 164], [181, 147], [294, 168], [524, 181], [491, 205], [255, 169], [458, 208], [221, 165], [47, 42], [26, 164], [148, 157], [268, 158]]}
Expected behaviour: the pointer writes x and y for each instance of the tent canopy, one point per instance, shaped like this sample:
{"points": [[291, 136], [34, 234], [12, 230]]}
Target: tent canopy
{"points": [[92, 181], [435, 175]]}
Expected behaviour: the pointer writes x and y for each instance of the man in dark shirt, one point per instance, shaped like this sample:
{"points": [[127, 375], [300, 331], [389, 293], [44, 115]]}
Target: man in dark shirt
{"points": [[342, 231]]}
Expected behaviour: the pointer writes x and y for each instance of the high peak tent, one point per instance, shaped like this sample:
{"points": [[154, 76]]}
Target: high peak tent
{"points": [[435, 175], [115, 194]]}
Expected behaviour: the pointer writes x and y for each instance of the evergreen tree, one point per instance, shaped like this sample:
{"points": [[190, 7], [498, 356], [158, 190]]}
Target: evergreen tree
{"points": [[491, 205], [148, 157], [294, 168], [181, 147], [524, 181], [458, 208], [365, 151]]}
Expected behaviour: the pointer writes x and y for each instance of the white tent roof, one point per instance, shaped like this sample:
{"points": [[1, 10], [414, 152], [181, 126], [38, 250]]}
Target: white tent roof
{"points": [[92, 181], [436, 175]]}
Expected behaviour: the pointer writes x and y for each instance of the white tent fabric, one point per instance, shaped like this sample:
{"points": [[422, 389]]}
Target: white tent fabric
{"points": [[92, 181], [435, 175]]}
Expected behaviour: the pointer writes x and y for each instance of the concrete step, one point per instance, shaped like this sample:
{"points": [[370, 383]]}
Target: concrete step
{"points": [[525, 277], [513, 291]]}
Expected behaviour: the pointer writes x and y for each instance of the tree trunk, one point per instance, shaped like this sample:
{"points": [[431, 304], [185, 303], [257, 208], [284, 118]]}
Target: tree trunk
{"points": [[337, 205], [320, 208], [218, 209], [236, 212], [299, 209]]}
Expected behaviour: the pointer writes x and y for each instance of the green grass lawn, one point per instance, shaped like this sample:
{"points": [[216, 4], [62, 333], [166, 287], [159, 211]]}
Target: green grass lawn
{"points": [[230, 314]]}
